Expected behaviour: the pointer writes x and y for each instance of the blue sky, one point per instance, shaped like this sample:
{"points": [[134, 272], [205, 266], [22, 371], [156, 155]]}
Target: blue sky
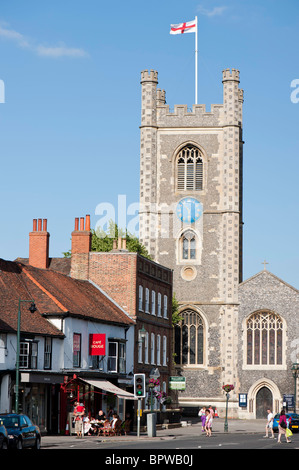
{"points": [[69, 127]]}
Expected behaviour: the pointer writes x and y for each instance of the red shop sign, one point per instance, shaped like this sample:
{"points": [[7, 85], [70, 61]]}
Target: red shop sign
{"points": [[97, 344]]}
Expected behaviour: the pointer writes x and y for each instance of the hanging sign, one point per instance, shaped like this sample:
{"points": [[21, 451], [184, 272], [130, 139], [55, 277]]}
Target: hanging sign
{"points": [[97, 344]]}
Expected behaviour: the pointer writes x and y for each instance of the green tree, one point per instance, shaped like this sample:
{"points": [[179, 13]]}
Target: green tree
{"points": [[176, 317], [103, 241]]}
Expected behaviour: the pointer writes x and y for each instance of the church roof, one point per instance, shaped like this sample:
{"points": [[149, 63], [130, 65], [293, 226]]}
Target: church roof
{"points": [[268, 273]]}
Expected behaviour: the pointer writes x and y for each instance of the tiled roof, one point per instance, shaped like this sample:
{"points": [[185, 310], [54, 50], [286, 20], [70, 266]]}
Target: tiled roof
{"points": [[54, 294], [62, 265], [13, 288]]}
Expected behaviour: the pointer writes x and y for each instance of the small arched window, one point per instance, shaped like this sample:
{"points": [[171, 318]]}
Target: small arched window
{"points": [[189, 169], [188, 245], [189, 339]]}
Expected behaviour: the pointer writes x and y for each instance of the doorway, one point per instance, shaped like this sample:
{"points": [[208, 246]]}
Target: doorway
{"points": [[264, 402]]}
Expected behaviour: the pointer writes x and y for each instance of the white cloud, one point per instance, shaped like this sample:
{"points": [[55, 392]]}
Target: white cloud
{"points": [[216, 11], [12, 35], [40, 50], [60, 51]]}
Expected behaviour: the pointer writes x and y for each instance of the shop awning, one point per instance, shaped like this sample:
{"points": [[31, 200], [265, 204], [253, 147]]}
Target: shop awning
{"points": [[109, 387]]}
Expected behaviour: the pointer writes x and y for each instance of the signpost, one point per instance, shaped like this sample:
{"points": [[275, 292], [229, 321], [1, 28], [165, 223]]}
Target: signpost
{"points": [[177, 383]]}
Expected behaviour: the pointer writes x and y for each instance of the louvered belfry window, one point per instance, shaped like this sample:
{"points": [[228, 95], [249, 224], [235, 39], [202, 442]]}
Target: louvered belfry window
{"points": [[189, 169]]}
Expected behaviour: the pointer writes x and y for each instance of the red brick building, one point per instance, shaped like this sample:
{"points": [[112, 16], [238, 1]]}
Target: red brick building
{"points": [[141, 287]]}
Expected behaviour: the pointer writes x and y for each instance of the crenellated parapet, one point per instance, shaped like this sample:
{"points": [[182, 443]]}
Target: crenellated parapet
{"points": [[149, 76], [155, 111], [231, 75], [183, 116]]}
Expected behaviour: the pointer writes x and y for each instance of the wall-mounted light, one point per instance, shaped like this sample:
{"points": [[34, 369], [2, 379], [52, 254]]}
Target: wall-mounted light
{"points": [[141, 334]]}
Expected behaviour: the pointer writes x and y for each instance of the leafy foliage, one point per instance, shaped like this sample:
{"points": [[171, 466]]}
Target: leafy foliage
{"points": [[176, 317], [103, 241]]}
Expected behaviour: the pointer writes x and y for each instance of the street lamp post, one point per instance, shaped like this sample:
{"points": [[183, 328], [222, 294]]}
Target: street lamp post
{"points": [[32, 309], [295, 370], [226, 422], [141, 339], [227, 388]]}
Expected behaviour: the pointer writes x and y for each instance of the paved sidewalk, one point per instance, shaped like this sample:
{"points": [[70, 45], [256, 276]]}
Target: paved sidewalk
{"points": [[192, 429]]}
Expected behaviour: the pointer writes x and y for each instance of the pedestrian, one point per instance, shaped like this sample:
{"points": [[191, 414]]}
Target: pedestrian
{"points": [[209, 422], [269, 424], [282, 427], [211, 411], [78, 413], [202, 415]]}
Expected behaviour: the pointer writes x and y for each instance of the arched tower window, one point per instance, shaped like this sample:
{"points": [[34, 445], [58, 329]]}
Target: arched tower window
{"points": [[189, 169], [188, 245], [264, 339], [189, 339]]}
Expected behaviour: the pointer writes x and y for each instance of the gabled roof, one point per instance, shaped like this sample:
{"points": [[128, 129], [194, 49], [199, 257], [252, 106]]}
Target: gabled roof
{"points": [[12, 289], [55, 294], [266, 272]]}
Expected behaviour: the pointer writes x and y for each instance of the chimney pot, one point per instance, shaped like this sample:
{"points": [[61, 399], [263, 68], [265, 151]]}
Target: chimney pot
{"points": [[87, 223], [82, 223], [77, 223], [39, 244]]}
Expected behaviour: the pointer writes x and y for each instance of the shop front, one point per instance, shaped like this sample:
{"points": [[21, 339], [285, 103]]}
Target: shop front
{"points": [[95, 395], [39, 400]]}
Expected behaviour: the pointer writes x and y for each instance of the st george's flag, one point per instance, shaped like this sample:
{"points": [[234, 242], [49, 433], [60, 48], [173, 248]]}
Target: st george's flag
{"points": [[181, 28]]}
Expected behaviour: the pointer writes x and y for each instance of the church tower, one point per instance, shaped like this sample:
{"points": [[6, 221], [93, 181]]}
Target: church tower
{"points": [[191, 222]]}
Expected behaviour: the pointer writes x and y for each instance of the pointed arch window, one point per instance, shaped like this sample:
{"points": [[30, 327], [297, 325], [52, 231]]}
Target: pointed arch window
{"points": [[189, 169], [189, 337], [264, 339], [188, 245]]}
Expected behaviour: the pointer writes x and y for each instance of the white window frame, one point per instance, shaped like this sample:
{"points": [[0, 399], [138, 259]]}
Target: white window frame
{"points": [[165, 302], [140, 299], [164, 354], [48, 353], [112, 359], [158, 350], [159, 314], [28, 357], [139, 350], [153, 306], [147, 300], [146, 348], [152, 348], [121, 358]]}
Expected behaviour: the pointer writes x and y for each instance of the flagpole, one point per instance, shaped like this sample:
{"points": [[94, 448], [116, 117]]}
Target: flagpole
{"points": [[196, 54]]}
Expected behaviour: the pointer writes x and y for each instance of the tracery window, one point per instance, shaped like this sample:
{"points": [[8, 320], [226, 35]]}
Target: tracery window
{"points": [[188, 245], [264, 339], [189, 169], [189, 335]]}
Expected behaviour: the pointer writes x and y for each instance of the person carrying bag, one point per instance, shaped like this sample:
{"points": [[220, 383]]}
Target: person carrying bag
{"points": [[282, 427]]}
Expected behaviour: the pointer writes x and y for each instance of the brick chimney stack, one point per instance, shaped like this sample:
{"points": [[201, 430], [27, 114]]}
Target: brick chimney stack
{"points": [[81, 246], [39, 244]]}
